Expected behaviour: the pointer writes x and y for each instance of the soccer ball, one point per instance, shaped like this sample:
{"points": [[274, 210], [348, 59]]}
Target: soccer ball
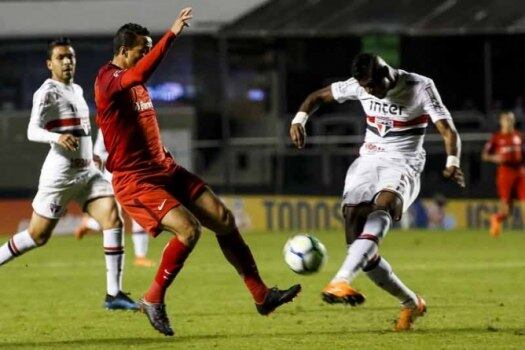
{"points": [[304, 254]]}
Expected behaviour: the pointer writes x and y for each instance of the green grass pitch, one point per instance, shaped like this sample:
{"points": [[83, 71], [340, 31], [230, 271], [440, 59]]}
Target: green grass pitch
{"points": [[474, 285]]}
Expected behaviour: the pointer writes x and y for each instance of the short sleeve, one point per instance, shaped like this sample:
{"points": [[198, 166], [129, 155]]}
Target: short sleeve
{"points": [[432, 103], [346, 90]]}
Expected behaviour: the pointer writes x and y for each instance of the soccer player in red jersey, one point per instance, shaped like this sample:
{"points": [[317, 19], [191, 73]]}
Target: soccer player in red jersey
{"points": [[505, 149], [153, 189]]}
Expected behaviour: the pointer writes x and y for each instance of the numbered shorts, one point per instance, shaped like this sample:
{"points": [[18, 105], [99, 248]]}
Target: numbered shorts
{"points": [[370, 174], [148, 198], [52, 197], [511, 183]]}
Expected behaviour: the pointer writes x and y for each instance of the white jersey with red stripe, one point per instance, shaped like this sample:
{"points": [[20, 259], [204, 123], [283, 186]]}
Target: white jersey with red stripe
{"points": [[58, 109], [396, 123]]}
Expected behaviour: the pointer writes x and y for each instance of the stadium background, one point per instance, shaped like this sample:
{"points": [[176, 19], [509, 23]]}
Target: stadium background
{"points": [[230, 85]]}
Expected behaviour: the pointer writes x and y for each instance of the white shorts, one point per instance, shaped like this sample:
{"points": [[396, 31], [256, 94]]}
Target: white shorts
{"points": [[370, 174], [51, 200]]}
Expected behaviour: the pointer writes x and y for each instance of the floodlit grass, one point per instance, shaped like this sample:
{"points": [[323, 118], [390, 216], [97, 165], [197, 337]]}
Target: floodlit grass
{"points": [[474, 285]]}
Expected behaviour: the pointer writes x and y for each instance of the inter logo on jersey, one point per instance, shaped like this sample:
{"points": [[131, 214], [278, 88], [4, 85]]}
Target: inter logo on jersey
{"points": [[385, 108]]}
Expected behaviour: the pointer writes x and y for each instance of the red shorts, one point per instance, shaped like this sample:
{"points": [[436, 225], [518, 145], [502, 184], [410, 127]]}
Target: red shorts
{"points": [[147, 198], [511, 183]]}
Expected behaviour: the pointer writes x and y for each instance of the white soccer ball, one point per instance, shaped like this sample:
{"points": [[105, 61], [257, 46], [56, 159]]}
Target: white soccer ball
{"points": [[304, 254]]}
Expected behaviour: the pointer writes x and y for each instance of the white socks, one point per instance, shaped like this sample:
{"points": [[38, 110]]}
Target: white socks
{"points": [[15, 246], [138, 235], [114, 251], [140, 243], [383, 276], [365, 247]]}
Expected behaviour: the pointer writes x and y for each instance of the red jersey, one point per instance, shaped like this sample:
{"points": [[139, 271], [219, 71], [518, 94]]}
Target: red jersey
{"points": [[126, 116], [508, 146]]}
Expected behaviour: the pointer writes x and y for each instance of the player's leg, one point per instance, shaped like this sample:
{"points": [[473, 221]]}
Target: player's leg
{"points": [[48, 206], [505, 182], [213, 214], [140, 245], [36, 235], [105, 211], [360, 186], [87, 224], [340, 291], [186, 229], [365, 247]]}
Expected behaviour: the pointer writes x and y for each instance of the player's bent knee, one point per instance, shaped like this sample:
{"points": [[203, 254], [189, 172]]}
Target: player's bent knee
{"points": [[354, 219], [390, 202], [190, 233], [227, 220]]}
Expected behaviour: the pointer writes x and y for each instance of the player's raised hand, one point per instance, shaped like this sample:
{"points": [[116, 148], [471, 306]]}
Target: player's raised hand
{"points": [[68, 142], [182, 21], [455, 174], [298, 135]]}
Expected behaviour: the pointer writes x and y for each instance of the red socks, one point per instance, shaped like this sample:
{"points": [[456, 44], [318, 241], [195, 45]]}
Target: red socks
{"points": [[239, 255], [173, 257], [234, 249]]}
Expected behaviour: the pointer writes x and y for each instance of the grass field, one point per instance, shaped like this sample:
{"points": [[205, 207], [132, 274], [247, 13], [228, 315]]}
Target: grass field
{"points": [[52, 298]]}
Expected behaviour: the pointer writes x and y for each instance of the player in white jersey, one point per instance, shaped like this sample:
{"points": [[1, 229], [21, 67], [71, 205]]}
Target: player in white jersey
{"points": [[138, 235], [385, 179], [60, 117]]}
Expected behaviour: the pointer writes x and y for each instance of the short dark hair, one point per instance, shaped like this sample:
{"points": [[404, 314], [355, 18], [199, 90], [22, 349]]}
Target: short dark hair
{"points": [[365, 66], [127, 36], [56, 42]]}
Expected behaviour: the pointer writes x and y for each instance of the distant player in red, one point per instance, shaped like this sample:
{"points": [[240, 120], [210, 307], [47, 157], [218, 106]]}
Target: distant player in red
{"points": [[153, 189], [505, 149]]}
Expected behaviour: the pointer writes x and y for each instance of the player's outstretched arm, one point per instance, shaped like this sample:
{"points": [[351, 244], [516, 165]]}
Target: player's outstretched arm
{"points": [[453, 148], [145, 67], [308, 107]]}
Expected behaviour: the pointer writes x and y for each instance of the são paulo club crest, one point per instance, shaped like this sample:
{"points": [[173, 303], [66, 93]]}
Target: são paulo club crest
{"points": [[383, 125]]}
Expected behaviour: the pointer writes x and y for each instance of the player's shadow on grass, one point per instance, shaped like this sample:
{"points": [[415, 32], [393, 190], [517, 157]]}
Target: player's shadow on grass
{"points": [[192, 338], [297, 310]]}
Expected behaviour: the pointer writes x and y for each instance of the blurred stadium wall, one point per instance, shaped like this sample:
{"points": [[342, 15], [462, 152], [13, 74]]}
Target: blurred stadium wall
{"points": [[230, 85]]}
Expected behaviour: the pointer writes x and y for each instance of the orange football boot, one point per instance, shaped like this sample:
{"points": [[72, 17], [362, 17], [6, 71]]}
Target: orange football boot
{"points": [[341, 292], [495, 225], [142, 261], [410, 314]]}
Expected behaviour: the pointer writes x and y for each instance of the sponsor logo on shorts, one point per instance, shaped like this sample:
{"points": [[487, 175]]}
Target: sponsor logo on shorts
{"points": [[161, 206]]}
